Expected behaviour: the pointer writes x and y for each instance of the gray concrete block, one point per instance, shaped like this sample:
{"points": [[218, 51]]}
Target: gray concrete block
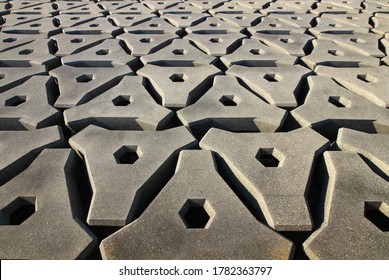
{"points": [[255, 5], [179, 53], [216, 44], [212, 237], [160, 5], [29, 106], [232, 107], [330, 54], [286, 7], [370, 83], [213, 25], [107, 54], [366, 44], [13, 76], [126, 106], [99, 25], [20, 148], [280, 86], [293, 44], [381, 24], [275, 170], [178, 87], [38, 212], [32, 8], [381, 7], [299, 21], [154, 25], [186, 20], [134, 9], [255, 54], [181, 8], [127, 169], [328, 102], [125, 20], [14, 19], [232, 8], [337, 26], [143, 44], [270, 25], [242, 20], [81, 84], [66, 20], [68, 44], [374, 147], [335, 8], [77, 8], [206, 5], [355, 199], [356, 20]]}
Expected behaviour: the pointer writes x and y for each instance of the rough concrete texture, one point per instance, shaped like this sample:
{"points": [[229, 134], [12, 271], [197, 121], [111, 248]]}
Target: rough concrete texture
{"points": [[120, 88], [47, 191], [351, 228], [169, 218], [274, 169]]}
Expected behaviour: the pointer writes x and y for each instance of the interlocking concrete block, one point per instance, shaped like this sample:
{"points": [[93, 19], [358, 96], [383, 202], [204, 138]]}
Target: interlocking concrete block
{"points": [[179, 53], [232, 8], [182, 21], [280, 86], [213, 25], [36, 51], [372, 146], [13, 76], [20, 148], [32, 8], [327, 102], [143, 44], [293, 44], [286, 7], [99, 25], [178, 87], [68, 44], [370, 83], [255, 5], [255, 54], [181, 8], [39, 26], [381, 24], [11, 41], [126, 106], [77, 8], [334, 25], [329, 53], [216, 44], [335, 8], [355, 200], [154, 25], [366, 44], [271, 25], [242, 20], [81, 84], [232, 107], [107, 54], [300, 20], [275, 170], [14, 19], [174, 212], [125, 20], [64, 21], [28, 106], [381, 7], [357, 20], [134, 9], [160, 5], [127, 169], [39, 218]]}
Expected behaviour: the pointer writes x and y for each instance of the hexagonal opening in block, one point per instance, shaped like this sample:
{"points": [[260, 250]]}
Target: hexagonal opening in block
{"points": [[2, 76], [270, 157], [255, 51], [9, 40], [76, 40], [367, 78], [178, 78], [103, 52], [215, 40], [179, 52], [145, 40], [15, 101], [128, 154], [26, 52], [18, 211], [197, 214], [273, 78], [85, 78], [229, 100], [122, 100], [339, 101], [378, 214], [287, 40], [336, 53]]}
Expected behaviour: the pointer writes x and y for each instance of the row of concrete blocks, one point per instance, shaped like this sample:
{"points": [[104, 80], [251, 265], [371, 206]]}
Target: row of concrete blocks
{"points": [[193, 213], [188, 7]]}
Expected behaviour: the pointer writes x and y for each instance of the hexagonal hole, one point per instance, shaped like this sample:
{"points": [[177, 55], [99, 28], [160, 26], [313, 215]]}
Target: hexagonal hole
{"points": [[103, 52], [197, 214], [77, 40], [179, 52], [215, 40], [336, 53], [178, 78], [145, 40], [339, 101], [2, 76], [18, 211], [95, 25], [122, 100], [229, 100], [287, 40], [35, 25], [85, 78], [270, 157], [273, 78], [255, 51], [9, 40], [26, 51], [378, 214], [128, 154], [357, 40], [15, 101], [367, 78], [154, 25]]}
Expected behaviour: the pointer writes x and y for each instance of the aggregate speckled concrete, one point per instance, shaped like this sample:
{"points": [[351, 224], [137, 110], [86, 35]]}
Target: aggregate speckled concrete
{"points": [[191, 129]]}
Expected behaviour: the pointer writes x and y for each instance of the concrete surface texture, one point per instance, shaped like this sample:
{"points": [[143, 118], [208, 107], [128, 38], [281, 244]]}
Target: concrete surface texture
{"points": [[192, 129]]}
